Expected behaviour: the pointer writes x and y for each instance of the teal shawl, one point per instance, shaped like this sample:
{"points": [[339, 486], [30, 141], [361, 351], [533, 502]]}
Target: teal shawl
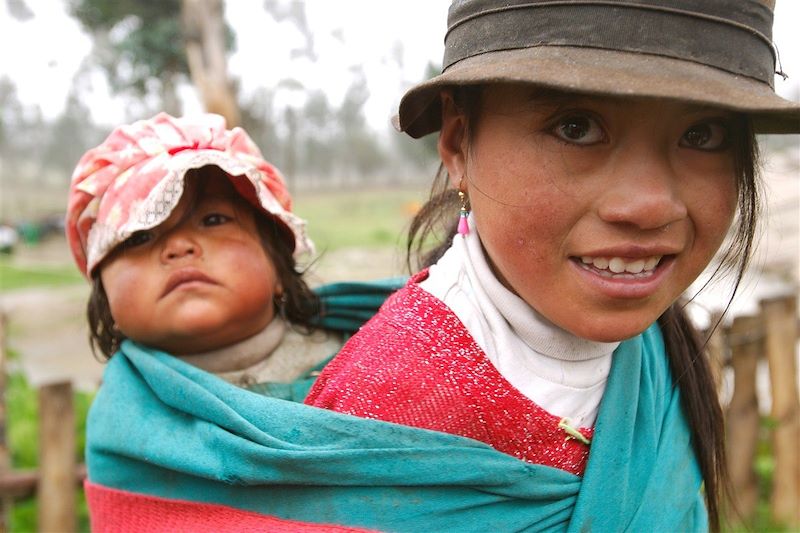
{"points": [[161, 427]]}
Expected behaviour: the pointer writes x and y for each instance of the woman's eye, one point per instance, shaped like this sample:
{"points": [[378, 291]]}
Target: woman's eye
{"points": [[137, 239], [215, 219], [708, 136], [579, 129]]}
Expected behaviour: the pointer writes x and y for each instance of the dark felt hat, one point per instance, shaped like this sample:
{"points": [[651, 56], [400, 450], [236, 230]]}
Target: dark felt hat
{"points": [[709, 52]]}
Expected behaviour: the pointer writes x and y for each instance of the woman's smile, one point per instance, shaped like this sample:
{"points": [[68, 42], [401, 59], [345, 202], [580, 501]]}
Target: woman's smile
{"points": [[620, 267], [624, 279]]}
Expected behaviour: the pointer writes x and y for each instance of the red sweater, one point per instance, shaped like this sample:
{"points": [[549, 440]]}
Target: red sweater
{"points": [[415, 364]]}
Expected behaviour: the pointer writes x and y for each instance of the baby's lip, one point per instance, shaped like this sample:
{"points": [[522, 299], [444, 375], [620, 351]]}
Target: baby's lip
{"points": [[185, 275]]}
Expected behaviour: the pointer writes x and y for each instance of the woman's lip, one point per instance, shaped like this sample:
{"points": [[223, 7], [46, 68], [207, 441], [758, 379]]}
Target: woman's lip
{"points": [[625, 286], [184, 276]]}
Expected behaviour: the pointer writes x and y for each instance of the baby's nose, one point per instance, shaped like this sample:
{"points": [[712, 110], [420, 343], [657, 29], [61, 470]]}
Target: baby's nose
{"points": [[178, 246]]}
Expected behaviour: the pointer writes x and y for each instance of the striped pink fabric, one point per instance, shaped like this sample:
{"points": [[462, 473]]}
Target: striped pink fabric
{"points": [[115, 511]]}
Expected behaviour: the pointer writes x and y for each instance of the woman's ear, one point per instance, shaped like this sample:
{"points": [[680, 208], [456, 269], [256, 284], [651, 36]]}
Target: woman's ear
{"points": [[453, 139]]}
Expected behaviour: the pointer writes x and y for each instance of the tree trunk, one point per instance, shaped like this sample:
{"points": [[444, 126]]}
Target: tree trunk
{"points": [[204, 28], [6, 503]]}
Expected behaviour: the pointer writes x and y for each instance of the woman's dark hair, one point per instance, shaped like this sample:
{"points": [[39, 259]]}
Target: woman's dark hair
{"points": [[298, 303], [437, 222]]}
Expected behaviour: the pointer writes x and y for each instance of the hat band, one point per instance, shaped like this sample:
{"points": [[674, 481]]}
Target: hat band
{"points": [[732, 36]]}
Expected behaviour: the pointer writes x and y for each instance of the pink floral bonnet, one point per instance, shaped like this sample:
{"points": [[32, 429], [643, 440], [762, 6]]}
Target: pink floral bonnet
{"points": [[135, 178]]}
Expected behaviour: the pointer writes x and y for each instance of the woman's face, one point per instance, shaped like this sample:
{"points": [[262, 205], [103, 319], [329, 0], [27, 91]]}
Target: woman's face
{"points": [[199, 281], [598, 212]]}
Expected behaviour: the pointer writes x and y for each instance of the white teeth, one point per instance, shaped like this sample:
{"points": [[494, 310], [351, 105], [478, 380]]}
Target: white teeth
{"points": [[635, 267], [618, 265], [651, 263]]}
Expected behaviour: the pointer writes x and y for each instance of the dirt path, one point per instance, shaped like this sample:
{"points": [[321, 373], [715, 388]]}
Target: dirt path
{"points": [[47, 326]]}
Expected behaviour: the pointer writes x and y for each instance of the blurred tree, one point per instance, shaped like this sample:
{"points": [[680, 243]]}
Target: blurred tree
{"points": [[420, 154], [290, 146], [319, 135], [148, 46], [359, 146], [258, 119], [35, 150], [21, 130], [68, 137], [11, 116]]}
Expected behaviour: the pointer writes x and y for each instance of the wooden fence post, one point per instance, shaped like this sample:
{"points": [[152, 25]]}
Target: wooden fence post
{"points": [[57, 492], [745, 337], [780, 321], [6, 503]]}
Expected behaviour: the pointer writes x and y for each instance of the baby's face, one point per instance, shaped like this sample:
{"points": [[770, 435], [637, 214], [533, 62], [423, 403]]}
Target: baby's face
{"points": [[200, 281]]}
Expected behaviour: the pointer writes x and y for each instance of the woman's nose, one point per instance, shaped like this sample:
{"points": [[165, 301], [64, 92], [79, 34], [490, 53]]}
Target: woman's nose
{"points": [[179, 243], [643, 191]]}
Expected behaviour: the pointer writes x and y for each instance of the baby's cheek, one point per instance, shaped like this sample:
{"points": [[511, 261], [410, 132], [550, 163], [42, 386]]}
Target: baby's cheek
{"points": [[122, 286]]}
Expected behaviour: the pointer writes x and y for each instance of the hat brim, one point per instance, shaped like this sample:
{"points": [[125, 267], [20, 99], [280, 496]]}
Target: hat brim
{"points": [[603, 72], [247, 180]]}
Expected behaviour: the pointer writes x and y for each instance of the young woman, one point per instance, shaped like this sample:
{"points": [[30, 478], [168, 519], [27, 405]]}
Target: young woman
{"points": [[589, 176]]}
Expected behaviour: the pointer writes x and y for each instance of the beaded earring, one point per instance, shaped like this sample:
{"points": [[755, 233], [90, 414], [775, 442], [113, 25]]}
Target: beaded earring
{"points": [[463, 226]]}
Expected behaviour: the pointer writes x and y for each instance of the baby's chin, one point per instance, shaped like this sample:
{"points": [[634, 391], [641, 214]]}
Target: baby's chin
{"points": [[196, 343], [196, 333]]}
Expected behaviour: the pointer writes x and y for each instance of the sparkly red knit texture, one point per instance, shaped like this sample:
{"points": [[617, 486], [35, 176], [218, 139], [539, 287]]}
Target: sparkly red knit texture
{"points": [[115, 510], [416, 364]]}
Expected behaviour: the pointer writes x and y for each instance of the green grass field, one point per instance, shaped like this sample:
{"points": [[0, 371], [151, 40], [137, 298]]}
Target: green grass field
{"points": [[369, 218], [20, 277]]}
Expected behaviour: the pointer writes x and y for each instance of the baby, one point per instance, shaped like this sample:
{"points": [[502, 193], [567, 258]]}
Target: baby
{"points": [[188, 238]]}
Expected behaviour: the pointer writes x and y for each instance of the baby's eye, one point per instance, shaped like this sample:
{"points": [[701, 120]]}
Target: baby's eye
{"points": [[579, 129], [138, 238], [708, 136], [215, 219]]}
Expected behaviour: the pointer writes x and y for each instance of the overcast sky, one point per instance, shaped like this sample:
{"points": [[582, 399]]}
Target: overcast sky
{"points": [[50, 48]]}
